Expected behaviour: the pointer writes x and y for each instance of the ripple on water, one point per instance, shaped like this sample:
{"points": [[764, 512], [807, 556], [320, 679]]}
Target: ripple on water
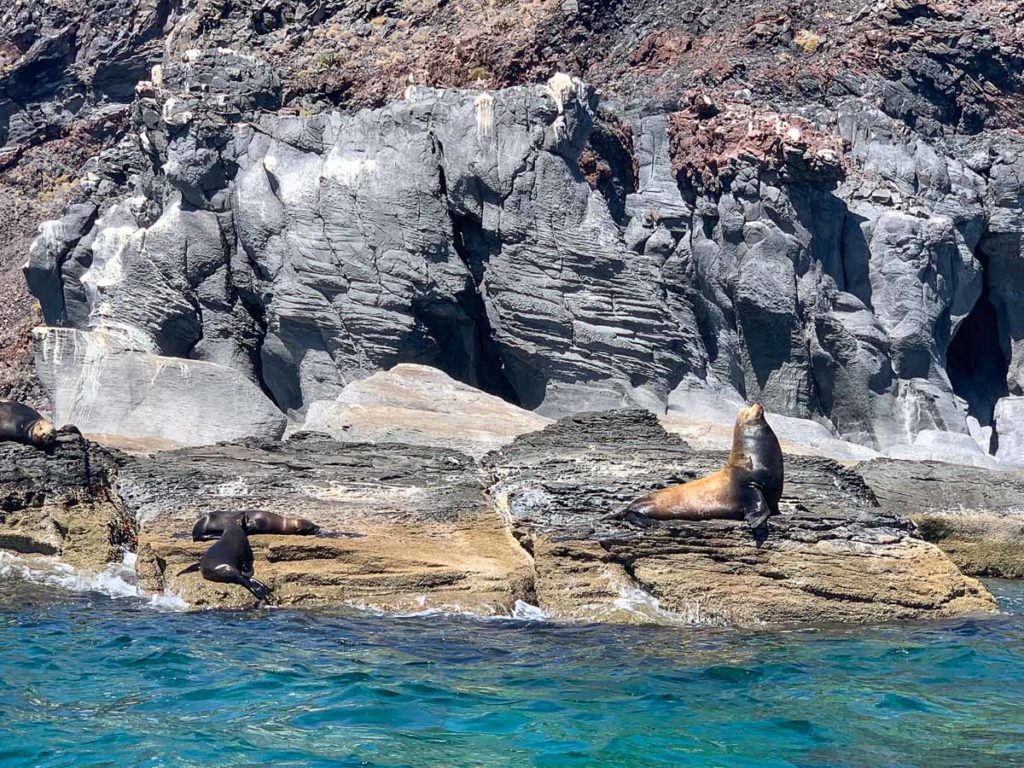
{"points": [[89, 680]]}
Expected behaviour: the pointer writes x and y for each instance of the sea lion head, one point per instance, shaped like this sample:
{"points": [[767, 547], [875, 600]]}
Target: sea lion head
{"points": [[751, 436], [305, 527], [752, 415], [42, 433]]}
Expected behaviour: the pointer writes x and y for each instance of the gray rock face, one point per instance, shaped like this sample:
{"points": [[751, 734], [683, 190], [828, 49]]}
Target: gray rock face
{"points": [[1009, 425], [101, 388], [463, 230]]}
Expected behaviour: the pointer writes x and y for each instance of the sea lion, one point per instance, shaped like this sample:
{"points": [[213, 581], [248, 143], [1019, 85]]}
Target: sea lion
{"points": [[229, 561], [21, 424], [256, 521], [748, 487]]}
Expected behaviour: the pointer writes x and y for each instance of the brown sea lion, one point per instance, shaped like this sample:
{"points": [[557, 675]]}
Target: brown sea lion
{"points": [[21, 424], [254, 521], [748, 487], [229, 561]]}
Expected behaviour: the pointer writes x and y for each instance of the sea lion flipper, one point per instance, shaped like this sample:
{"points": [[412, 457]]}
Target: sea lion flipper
{"points": [[191, 569], [259, 590], [634, 514], [759, 511], [639, 518]]}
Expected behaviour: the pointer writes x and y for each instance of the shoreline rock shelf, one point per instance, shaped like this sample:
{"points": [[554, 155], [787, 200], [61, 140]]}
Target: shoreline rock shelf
{"points": [[415, 527], [975, 516], [833, 555], [63, 503], [407, 526]]}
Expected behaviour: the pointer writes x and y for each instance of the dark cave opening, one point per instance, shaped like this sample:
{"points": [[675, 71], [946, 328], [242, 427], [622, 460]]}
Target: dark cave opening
{"points": [[466, 346], [975, 361]]}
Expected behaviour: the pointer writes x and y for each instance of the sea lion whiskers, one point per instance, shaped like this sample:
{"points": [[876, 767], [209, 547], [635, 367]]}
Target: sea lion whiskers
{"points": [[43, 433]]}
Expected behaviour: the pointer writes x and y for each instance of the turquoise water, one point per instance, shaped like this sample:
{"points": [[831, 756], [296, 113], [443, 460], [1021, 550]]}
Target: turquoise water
{"points": [[87, 680]]}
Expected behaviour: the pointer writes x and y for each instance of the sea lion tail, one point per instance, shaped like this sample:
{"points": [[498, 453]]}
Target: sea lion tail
{"points": [[259, 590], [191, 569]]}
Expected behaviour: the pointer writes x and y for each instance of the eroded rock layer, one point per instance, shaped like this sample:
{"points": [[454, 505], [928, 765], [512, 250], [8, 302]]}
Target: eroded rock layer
{"points": [[974, 515], [410, 528], [63, 503], [828, 262]]}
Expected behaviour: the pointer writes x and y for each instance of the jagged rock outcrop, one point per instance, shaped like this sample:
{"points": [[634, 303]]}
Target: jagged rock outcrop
{"points": [[831, 264], [974, 515], [62, 503]]}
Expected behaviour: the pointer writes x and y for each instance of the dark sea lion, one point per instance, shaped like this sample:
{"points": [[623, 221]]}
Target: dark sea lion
{"points": [[21, 424], [229, 561], [748, 487], [211, 525]]}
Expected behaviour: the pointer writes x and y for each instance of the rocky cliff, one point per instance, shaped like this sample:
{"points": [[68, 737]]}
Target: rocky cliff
{"points": [[820, 209]]}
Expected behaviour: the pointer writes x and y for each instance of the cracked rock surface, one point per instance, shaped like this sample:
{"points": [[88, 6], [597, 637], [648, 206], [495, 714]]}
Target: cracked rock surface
{"points": [[417, 527]]}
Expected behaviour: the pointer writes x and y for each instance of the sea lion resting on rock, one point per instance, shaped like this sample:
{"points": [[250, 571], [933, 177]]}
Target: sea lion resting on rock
{"points": [[21, 424], [229, 561], [211, 525], [748, 487]]}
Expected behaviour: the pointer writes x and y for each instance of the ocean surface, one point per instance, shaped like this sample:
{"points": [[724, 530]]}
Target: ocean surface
{"points": [[87, 679]]}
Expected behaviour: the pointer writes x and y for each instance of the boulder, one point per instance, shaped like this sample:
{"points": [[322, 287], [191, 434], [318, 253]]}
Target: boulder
{"points": [[98, 385], [975, 515], [419, 405]]}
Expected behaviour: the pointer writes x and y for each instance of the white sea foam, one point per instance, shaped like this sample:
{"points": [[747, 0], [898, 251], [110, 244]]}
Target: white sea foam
{"points": [[116, 580], [524, 611], [632, 599], [521, 611]]}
